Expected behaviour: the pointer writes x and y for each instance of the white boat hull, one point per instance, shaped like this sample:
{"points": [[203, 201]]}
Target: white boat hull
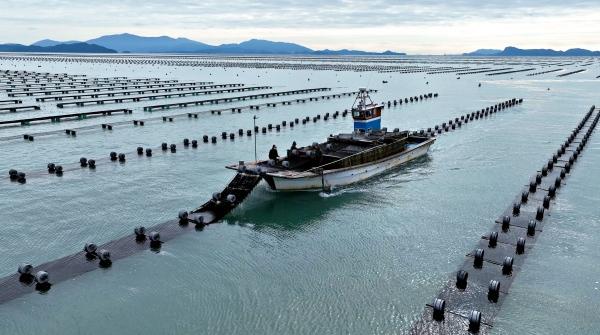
{"points": [[346, 176]]}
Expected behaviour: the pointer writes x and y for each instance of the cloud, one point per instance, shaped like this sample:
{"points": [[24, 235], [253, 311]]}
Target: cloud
{"points": [[416, 26]]}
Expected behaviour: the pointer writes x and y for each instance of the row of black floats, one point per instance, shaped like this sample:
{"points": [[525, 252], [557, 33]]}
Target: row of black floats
{"points": [[91, 253], [506, 244], [17, 176]]}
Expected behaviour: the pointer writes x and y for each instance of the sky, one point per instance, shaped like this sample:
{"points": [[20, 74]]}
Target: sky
{"points": [[415, 27]]}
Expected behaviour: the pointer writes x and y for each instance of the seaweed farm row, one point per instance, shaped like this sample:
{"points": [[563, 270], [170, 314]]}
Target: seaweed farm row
{"points": [[113, 156], [315, 64], [38, 277], [107, 173], [471, 301]]}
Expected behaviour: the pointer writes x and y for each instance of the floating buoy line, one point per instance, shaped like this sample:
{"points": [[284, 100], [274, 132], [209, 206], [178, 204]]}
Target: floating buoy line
{"points": [[95, 256], [355, 64], [468, 303], [205, 138], [472, 298], [141, 122]]}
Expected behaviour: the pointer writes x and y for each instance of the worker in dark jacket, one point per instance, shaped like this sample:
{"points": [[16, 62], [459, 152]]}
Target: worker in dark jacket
{"points": [[273, 154], [318, 154]]}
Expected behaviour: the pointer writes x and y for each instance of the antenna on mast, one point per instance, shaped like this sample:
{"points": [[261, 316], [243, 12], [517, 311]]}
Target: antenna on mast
{"points": [[362, 98]]}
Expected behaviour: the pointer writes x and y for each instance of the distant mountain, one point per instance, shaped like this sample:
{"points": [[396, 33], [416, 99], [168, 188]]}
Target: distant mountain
{"points": [[78, 47], [140, 44], [255, 46], [391, 53], [483, 52], [51, 43], [345, 52], [127, 43], [11, 47], [581, 52], [165, 44], [512, 51]]}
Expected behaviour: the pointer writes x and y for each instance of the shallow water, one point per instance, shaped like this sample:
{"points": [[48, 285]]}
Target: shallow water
{"points": [[362, 260]]}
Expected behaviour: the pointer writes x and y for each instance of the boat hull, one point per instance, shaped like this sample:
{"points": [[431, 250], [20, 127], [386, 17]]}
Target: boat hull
{"points": [[345, 176]]}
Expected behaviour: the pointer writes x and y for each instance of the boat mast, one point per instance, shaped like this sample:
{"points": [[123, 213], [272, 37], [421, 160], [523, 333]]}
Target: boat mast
{"points": [[362, 98], [254, 119], [365, 113]]}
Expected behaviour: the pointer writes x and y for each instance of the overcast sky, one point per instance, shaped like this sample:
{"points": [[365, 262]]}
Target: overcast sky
{"points": [[425, 26]]}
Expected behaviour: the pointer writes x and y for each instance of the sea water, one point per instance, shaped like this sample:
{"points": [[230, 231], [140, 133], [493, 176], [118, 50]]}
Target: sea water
{"points": [[363, 259]]}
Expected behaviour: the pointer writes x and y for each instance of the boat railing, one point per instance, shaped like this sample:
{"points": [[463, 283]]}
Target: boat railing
{"points": [[363, 156]]}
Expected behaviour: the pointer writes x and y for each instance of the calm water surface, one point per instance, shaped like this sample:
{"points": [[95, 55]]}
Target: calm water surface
{"points": [[363, 259]]}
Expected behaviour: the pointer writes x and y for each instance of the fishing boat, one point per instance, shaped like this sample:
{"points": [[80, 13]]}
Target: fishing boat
{"points": [[344, 158]]}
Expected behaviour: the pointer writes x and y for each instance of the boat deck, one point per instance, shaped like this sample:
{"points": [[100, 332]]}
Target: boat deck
{"points": [[342, 150]]}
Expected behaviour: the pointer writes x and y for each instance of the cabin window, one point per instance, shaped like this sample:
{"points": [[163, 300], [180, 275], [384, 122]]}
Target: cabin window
{"points": [[356, 114]]}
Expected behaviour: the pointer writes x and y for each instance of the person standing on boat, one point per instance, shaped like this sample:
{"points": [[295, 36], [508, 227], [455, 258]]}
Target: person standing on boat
{"points": [[318, 154], [294, 147], [273, 154]]}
